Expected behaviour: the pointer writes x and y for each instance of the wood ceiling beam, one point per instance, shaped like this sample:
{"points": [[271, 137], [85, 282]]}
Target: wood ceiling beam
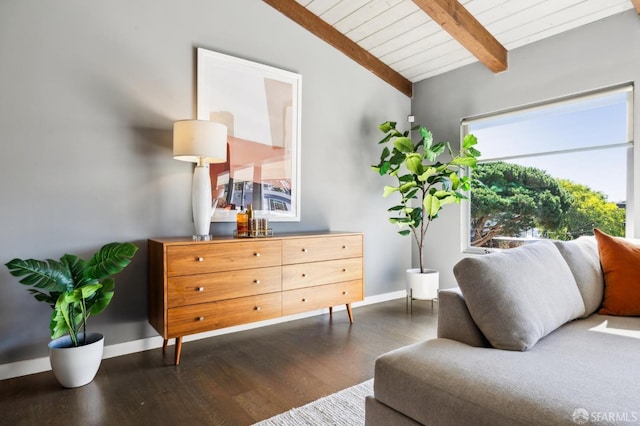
{"points": [[636, 4], [465, 28], [305, 18]]}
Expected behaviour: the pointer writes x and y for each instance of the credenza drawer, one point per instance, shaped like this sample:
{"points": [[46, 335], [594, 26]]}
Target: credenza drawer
{"points": [[305, 299], [317, 273], [191, 289], [209, 316], [300, 250], [204, 258]]}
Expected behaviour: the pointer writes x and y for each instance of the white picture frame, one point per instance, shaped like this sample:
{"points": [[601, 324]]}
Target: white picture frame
{"points": [[261, 107]]}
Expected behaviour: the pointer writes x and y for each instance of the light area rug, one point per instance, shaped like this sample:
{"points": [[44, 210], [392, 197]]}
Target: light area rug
{"points": [[341, 408]]}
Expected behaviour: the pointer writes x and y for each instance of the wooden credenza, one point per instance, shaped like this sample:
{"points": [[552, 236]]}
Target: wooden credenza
{"points": [[198, 286]]}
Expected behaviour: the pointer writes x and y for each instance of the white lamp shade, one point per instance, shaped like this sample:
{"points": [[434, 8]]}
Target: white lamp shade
{"points": [[199, 141]]}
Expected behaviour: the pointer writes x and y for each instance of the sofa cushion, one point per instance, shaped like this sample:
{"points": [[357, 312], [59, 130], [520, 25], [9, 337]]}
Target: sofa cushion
{"points": [[520, 295], [588, 364], [620, 260], [582, 257]]}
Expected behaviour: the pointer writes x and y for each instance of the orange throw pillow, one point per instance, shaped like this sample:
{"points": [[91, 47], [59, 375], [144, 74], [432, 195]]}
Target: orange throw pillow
{"points": [[620, 260]]}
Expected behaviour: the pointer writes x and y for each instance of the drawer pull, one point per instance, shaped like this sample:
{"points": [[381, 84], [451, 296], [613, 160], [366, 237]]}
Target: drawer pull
{"points": [[304, 299], [344, 269], [257, 308], [304, 275], [304, 250], [256, 254], [200, 289], [200, 318], [345, 292], [200, 259], [256, 281], [344, 246]]}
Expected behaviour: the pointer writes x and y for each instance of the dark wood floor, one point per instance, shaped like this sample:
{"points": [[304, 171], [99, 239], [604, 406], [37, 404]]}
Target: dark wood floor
{"points": [[234, 379]]}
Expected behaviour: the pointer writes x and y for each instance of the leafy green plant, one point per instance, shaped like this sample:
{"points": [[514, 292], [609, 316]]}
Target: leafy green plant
{"points": [[424, 183], [509, 199], [589, 209], [75, 288]]}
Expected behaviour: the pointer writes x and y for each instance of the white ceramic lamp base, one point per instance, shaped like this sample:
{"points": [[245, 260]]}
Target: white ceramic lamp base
{"points": [[201, 202]]}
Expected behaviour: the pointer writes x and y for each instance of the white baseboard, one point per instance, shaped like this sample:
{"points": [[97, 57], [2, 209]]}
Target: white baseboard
{"points": [[38, 365]]}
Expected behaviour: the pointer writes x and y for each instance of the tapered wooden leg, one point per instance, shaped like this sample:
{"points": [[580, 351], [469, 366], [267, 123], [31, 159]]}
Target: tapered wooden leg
{"points": [[330, 310], [350, 312], [178, 349], [164, 345]]}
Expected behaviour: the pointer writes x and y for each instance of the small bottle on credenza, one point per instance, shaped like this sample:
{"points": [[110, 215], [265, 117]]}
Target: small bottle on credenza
{"points": [[249, 219], [242, 223]]}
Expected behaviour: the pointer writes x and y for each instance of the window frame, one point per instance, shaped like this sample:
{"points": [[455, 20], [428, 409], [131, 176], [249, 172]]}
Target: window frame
{"points": [[633, 161]]}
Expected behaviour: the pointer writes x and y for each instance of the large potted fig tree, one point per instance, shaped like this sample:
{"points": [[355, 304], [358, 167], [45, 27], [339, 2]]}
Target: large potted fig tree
{"points": [[425, 183], [76, 289]]}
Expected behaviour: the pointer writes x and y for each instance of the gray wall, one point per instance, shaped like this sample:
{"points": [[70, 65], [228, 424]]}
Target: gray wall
{"points": [[598, 55], [89, 92]]}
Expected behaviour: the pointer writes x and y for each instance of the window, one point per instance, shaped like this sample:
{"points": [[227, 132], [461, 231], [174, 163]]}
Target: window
{"points": [[553, 170]]}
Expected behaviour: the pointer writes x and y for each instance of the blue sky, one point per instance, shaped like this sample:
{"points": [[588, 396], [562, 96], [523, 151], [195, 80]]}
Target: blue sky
{"points": [[594, 122]]}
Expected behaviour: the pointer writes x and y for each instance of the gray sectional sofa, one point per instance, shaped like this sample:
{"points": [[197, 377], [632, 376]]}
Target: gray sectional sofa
{"points": [[520, 342]]}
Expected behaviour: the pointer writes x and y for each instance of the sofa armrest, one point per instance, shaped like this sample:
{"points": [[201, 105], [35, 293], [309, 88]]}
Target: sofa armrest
{"points": [[455, 322]]}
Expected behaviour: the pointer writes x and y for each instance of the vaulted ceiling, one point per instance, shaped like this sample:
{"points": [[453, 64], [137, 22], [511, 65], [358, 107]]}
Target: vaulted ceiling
{"points": [[405, 41]]}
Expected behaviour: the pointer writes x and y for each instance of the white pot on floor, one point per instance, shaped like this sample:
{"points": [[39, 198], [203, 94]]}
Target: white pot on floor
{"points": [[76, 366], [423, 286]]}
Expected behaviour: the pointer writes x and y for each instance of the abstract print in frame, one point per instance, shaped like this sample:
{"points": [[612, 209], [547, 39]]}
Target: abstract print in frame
{"points": [[260, 105]]}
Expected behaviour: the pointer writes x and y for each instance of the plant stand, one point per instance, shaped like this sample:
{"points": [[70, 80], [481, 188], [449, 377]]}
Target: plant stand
{"points": [[410, 299], [422, 286]]}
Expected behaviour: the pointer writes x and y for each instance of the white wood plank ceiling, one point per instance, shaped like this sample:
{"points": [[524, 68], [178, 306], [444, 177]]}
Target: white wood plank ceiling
{"points": [[404, 37]]}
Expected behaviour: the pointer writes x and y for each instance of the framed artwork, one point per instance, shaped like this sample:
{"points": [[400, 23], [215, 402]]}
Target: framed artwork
{"points": [[260, 105]]}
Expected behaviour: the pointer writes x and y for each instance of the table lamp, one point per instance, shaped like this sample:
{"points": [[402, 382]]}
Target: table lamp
{"points": [[201, 142]]}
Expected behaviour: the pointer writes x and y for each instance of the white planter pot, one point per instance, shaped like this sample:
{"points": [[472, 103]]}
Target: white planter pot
{"points": [[76, 366], [423, 286]]}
